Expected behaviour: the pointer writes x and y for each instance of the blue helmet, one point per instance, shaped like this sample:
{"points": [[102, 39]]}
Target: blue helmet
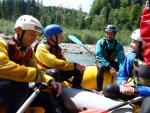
{"points": [[51, 30]]}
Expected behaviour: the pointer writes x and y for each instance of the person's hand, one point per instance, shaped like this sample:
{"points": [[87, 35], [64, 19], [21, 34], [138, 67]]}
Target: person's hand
{"points": [[57, 87], [125, 88], [80, 67], [113, 71], [38, 78]]}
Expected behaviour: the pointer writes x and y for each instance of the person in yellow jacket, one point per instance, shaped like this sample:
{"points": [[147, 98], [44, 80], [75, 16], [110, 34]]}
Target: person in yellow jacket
{"points": [[18, 66], [50, 56]]}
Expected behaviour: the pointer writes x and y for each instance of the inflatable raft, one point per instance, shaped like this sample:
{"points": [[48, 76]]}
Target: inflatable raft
{"points": [[77, 100], [89, 78]]}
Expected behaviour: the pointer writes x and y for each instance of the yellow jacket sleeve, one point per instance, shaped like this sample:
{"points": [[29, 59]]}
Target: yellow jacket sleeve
{"points": [[13, 71], [33, 63], [45, 57]]}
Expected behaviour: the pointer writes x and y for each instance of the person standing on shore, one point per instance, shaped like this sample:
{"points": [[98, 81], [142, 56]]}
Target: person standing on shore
{"points": [[50, 57], [107, 50]]}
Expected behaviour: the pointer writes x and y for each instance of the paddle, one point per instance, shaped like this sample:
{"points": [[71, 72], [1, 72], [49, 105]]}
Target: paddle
{"points": [[77, 41], [114, 107], [40, 86]]}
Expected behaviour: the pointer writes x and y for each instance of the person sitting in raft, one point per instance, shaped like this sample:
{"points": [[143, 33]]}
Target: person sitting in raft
{"points": [[133, 67], [50, 56], [18, 67], [107, 50]]}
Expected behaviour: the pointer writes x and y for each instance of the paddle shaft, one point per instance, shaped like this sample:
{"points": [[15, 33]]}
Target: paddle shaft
{"points": [[31, 98], [122, 104], [77, 41], [88, 50], [28, 101]]}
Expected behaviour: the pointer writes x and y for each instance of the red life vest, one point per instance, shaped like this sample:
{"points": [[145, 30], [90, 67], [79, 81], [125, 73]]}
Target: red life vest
{"points": [[14, 55], [145, 33], [56, 50], [53, 50]]}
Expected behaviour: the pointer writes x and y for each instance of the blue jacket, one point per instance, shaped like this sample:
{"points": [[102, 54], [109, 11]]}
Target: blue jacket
{"points": [[126, 71], [120, 56]]}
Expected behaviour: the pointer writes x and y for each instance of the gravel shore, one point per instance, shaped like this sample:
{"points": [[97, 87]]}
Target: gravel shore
{"points": [[77, 49]]}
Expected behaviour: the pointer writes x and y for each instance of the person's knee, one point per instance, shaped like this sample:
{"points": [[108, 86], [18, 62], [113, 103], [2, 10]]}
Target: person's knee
{"points": [[101, 68], [54, 73], [109, 90], [19, 87]]}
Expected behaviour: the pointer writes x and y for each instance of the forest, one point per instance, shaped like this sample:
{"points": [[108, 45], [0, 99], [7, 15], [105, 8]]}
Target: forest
{"points": [[88, 27]]}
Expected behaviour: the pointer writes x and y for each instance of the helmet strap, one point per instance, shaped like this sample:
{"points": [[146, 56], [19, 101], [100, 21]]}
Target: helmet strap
{"points": [[55, 42], [22, 47], [21, 38]]}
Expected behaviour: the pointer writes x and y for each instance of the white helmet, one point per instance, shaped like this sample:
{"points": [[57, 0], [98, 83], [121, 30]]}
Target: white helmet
{"points": [[27, 22], [136, 35]]}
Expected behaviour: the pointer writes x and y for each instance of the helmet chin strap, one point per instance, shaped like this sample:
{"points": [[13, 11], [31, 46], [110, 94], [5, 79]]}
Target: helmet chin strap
{"points": [[21, 46], [55, 42]]}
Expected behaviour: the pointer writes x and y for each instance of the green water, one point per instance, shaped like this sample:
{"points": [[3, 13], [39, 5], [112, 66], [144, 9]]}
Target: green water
{"points": [[80, 58]]}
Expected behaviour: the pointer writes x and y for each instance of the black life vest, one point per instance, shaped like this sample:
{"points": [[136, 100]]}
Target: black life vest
{"points": [[13, 53], [109, 54], [141, 72]]}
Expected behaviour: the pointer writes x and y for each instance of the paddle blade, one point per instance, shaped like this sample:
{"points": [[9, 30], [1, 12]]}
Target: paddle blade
{"points": [[75, 39]]}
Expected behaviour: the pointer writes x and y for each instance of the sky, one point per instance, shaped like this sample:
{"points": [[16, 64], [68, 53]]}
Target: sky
{"points": [[71, 4]]}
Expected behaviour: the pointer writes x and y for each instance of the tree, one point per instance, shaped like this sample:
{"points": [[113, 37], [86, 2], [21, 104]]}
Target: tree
{"points": [[135, 15]]}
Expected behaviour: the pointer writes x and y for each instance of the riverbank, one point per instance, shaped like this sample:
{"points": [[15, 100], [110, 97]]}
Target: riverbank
{"points": [[77, 49]]}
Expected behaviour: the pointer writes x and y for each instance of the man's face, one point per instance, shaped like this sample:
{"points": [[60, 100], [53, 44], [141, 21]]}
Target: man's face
{"points": [[135, 46], [110, 35], [29, 37]]}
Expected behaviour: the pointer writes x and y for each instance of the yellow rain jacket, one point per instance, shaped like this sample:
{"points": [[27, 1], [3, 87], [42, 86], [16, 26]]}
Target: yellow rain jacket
{"points": [[51, 61], [13, 71]]}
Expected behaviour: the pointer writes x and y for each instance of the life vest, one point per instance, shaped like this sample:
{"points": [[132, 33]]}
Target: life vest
{"points": [[141, 72], [109, 54], [55, 50], [13, 53], [52, 49]]}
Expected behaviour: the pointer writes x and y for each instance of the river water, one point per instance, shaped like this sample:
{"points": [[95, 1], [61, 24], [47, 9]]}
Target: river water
{"points": [[83, 59]]}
